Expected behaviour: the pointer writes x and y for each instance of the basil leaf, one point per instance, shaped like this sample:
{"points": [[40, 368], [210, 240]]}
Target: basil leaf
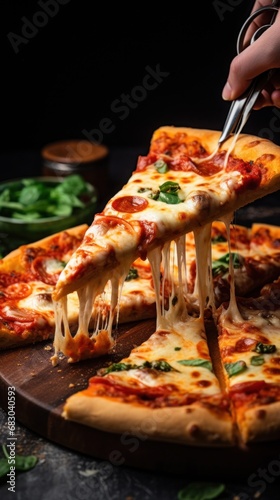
{"points": [[154, 195], [235, 368], [4, 467], [73, 184], [201, 491], [218, 239], [265, 348], [169, 198], [23, 216], [221, 266], [257, 360], [197, 362], [154, 365], [157, 365], [25, 462], [13, 205], [21, 462], [61, 210], [30, 194], [169, 187], [118, 367], [31, 199], [132, 274]]}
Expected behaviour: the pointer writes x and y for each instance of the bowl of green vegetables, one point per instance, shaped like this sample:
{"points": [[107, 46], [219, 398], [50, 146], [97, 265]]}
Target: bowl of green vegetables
{"points": [[32, 208]]}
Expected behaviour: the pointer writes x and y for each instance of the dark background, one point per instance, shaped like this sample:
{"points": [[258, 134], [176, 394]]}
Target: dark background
{"points": [[66, 62], [62, 78]]}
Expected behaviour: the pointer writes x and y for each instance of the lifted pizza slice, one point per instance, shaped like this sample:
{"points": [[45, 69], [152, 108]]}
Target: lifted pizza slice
{"points": [[175, 189], [27, 279]]}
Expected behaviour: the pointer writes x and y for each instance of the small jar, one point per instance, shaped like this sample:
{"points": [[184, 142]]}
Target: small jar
{"points": [[82, 157]]}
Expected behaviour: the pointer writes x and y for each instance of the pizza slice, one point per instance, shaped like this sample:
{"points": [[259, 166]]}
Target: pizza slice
{"points": [[27, 279], [166, 389], [256, 259], [249, 346], [175, 189], [255, 253]]}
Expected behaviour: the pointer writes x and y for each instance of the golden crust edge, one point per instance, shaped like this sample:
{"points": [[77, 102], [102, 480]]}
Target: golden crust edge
{"points": [[260, 423], [14, 257], [193, 425], [248, 146], [10, 340]]}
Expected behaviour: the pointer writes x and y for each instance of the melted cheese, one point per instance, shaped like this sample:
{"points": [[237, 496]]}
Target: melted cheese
{"points": [[134, 223], [184, 342], [256, 328], [199, 197]]}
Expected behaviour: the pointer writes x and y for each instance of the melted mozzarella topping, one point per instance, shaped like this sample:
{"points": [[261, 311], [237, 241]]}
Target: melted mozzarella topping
{"points": [[179, 346], [201, 199], [238, 345]]}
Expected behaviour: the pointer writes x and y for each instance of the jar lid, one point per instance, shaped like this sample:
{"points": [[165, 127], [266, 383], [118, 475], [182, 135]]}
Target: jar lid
{"points": [[74, 151]]}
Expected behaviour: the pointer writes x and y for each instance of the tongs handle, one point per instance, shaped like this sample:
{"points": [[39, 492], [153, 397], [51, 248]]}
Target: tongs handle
{"points": [[241, 108]]}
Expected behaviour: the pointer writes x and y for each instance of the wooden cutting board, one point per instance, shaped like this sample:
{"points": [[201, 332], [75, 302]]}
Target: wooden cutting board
{"points": [[42, 389]]}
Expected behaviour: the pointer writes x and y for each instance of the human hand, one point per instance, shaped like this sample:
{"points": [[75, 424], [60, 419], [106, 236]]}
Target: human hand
{"points": [[262, 55]]}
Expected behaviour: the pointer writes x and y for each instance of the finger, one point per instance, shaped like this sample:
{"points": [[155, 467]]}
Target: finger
{"points": [[260, 20], [262, 55], [275, 81], [270, 94], [275, 98], [263, 100]]}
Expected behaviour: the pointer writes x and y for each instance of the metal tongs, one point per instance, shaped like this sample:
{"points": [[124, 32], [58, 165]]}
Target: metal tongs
{"points": [[241, 108]]}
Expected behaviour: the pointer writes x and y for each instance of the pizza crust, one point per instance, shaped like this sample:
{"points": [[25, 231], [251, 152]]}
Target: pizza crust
{"points": [[14, 260], [260, 423], [30, 323], [247, 147], [193, 425]]}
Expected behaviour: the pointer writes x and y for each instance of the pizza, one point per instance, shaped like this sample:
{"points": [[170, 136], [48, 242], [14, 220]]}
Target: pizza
{"points": [[166, 247], [166, 390], [27, 279], [28, 276], [177, 188], [200, 379], [250, 352]]}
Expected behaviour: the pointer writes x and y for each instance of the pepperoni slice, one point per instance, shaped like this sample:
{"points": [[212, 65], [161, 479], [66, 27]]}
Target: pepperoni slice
{"points": [[130, 204], [40, 270], [245, 344]]}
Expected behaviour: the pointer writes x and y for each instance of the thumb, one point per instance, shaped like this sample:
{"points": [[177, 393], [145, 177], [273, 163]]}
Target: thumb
{"points": [[241, 74]]}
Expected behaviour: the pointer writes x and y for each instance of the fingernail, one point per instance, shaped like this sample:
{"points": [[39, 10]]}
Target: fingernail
{"points": [[226, 95]]}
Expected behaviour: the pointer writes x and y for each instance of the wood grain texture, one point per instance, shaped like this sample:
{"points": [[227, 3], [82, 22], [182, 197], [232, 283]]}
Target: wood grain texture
{"points": [[42, 389]]}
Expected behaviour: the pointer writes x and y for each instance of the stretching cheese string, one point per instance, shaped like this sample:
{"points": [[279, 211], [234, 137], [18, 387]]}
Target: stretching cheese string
{"points": [[231, 147]]}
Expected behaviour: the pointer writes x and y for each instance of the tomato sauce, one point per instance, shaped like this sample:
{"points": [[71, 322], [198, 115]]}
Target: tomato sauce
{"points": [[255, 392]]}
